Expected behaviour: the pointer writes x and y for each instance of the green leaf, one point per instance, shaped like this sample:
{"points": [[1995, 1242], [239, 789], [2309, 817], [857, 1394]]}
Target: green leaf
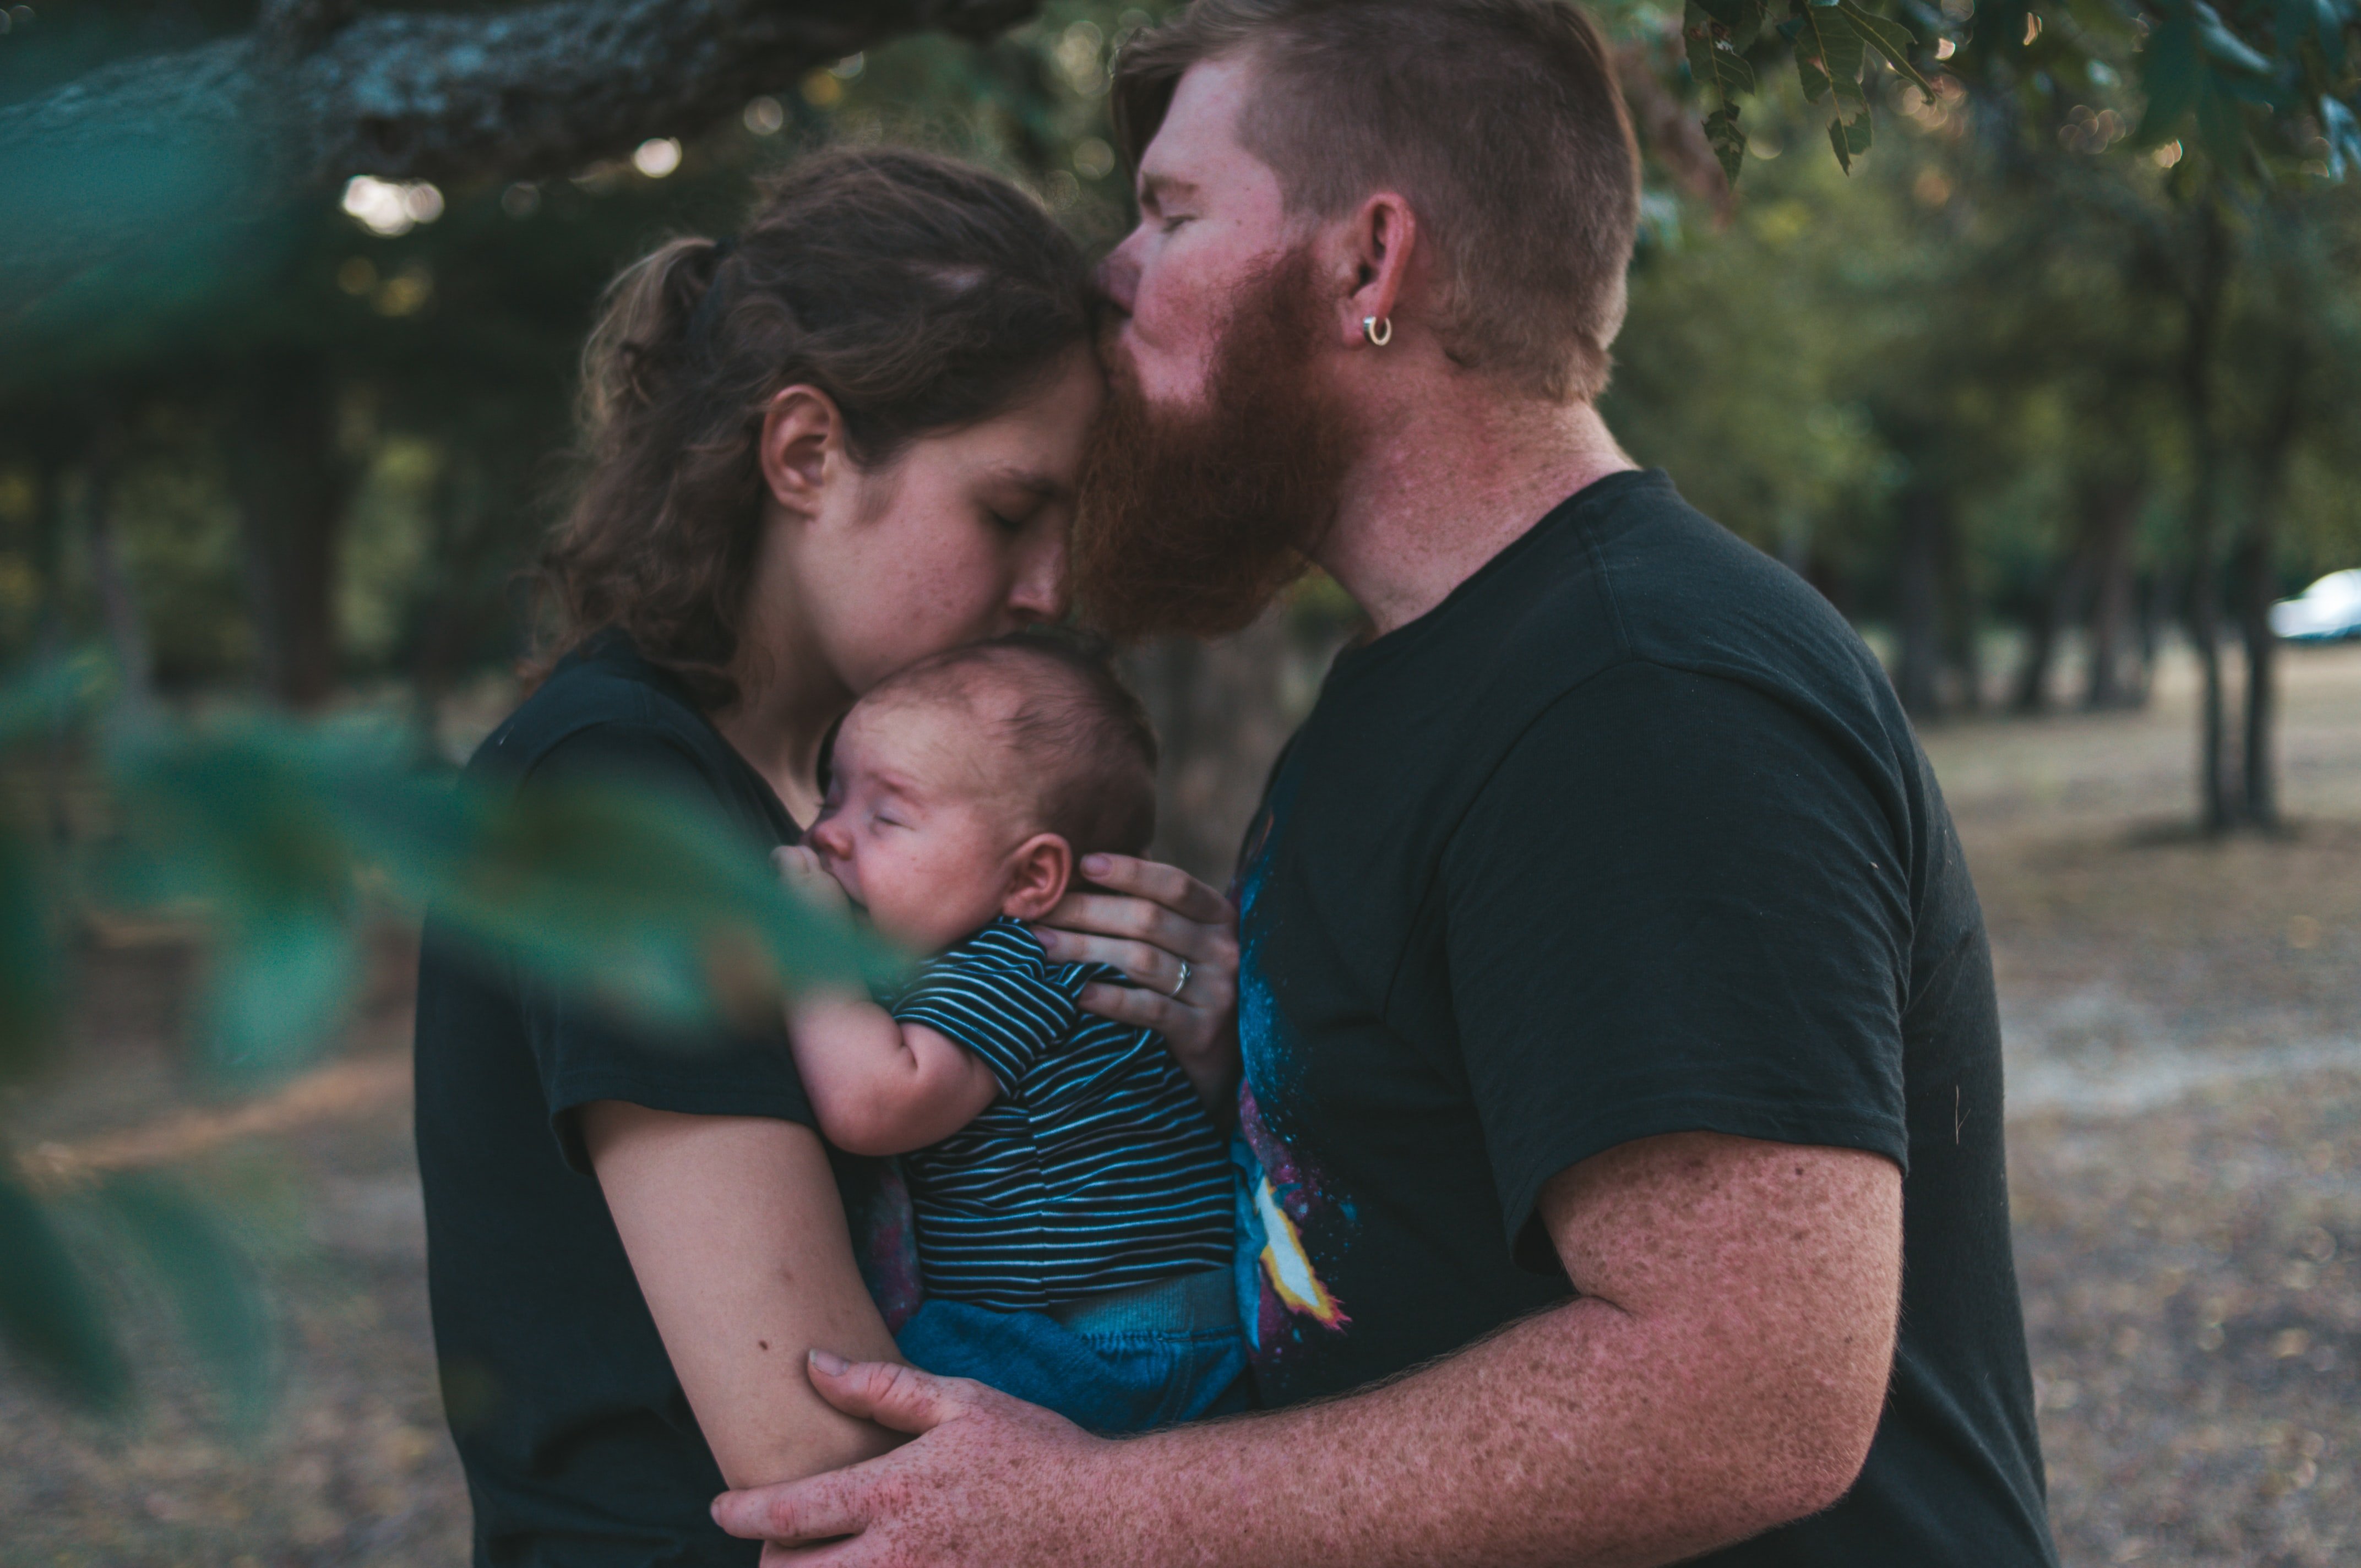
{"points": [[2220, 126], [1741, 20], [2342, 130], [51, 696], [2225, 45], [30, 960], [1829, 54], [279, 988], [2170, 77], [1891, 39], [645, 899], [1849, 137], [48, 1315], [214, 1294], [1712, 62], [1729, 140]]}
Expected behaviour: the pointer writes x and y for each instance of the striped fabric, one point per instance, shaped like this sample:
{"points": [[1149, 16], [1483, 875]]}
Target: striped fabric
{"points": [[1095, 1170]]}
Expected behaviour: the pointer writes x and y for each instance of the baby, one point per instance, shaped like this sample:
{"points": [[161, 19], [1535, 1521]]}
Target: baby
{"points": [[1073, 1201]]}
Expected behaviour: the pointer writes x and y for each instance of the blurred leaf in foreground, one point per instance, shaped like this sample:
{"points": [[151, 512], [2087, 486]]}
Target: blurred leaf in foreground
{"points": [[215, 1293], [48, 1315], [279, 829]]}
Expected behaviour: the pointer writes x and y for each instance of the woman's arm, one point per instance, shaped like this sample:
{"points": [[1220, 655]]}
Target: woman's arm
{"points": [[879, 1085], [1147, 919], [734, 1228]]}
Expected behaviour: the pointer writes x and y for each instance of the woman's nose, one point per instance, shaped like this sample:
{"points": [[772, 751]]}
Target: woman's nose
{"points": [[1041, 592]]}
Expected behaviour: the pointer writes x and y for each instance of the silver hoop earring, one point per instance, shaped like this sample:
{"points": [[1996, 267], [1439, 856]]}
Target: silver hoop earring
{"points": [[1379, 333]]}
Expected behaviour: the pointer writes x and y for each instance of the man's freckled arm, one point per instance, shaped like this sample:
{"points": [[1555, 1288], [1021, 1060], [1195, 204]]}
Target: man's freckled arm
{"points": [[880, 1086], [1722, 1373]]}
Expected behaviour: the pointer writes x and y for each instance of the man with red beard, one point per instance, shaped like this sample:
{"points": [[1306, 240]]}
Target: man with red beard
{"points": [[1623, 1170]]}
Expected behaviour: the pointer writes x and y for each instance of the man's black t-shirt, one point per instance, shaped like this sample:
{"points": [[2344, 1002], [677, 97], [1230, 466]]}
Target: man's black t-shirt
{"points": [[579, 1447], [1626, 837]]}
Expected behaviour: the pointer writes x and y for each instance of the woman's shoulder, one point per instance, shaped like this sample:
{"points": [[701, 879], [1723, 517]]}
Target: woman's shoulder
{"points": [[602, 708]]}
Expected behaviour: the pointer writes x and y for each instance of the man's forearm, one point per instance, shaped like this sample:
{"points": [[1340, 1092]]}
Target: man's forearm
{"points": [[1581, 1436]]}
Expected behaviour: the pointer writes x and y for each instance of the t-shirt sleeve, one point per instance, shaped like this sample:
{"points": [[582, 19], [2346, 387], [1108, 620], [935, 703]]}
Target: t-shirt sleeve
{"points": [[989, 996], [1675, 907], [585, 1047]]}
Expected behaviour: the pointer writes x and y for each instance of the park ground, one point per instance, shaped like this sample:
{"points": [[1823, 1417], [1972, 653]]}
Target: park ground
{"points": [[2184, 1030]]}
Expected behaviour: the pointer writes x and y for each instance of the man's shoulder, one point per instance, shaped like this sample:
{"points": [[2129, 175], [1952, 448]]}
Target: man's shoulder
{"points": [[1629, 573], [1639, 573]]}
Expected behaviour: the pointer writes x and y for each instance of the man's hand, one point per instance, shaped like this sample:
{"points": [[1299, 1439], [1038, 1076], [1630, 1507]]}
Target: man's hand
{"points": [[1008, 1459]]}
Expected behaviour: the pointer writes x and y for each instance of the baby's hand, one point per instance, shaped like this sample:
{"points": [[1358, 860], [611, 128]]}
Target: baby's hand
{"points": [[800, 869]]}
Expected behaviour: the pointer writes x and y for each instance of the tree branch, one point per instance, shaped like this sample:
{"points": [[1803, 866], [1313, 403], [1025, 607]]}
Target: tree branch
{"points": [[315, 94]]}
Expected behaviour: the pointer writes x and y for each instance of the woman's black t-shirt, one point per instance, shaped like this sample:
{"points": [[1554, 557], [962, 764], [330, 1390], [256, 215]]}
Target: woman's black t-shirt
{"points": [[579, 1446]]}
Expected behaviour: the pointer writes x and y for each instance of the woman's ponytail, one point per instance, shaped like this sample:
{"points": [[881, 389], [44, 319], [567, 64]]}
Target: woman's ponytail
{"points": [[644, 320]]}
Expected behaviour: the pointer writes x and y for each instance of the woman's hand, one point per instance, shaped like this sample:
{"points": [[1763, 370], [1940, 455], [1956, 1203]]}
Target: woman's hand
{"points": [[1178, 941]]}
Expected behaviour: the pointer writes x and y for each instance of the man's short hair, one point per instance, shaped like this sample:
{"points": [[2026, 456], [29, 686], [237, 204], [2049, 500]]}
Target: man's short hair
{"points": [[1078, 736], [1500, 120]]}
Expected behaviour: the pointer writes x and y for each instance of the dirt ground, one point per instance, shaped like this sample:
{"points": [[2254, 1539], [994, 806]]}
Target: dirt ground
{"points": [[2184, 1033]]}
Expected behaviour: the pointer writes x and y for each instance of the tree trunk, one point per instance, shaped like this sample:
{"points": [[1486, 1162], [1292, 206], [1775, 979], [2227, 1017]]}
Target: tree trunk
{"points": [[1918, 606], [2057, 609], [2113, 511], [2157, 607], [2255, 594], [292, 486], [2217, 807], [118, 601], [2216, 804], [2257, 588], [1962, 625]]}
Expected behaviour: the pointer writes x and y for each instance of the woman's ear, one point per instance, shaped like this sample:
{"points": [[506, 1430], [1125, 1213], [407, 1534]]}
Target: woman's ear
{"points": [[802, 445], [1037, 874]]}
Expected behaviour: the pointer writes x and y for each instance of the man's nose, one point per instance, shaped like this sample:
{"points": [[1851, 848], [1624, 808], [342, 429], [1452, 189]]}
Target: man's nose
{"points": [[1118, 276]]}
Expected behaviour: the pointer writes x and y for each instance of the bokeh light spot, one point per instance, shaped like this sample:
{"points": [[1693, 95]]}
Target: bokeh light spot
{"points": [[657, 157]]}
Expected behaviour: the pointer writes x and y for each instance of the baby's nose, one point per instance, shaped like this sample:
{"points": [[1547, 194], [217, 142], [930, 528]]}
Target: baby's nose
{"points": [[829, 837]]}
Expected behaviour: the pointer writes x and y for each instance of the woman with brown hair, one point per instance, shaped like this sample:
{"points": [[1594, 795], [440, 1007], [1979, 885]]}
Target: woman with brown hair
{"points": [[841, 441]]}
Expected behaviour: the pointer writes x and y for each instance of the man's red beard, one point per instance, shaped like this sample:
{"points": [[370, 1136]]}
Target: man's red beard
{"points": [[1192, 520]]}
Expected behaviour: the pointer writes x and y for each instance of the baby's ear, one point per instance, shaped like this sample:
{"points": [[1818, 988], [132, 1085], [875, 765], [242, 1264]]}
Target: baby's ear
{"points": [[1037, 874]]}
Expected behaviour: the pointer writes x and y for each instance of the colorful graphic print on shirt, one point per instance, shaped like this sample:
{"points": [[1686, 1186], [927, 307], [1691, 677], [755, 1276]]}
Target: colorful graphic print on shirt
{"points": [[1289, 1217]]}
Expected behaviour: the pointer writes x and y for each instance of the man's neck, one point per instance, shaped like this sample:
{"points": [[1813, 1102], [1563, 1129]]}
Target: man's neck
{"points": [[1441, 491]]}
